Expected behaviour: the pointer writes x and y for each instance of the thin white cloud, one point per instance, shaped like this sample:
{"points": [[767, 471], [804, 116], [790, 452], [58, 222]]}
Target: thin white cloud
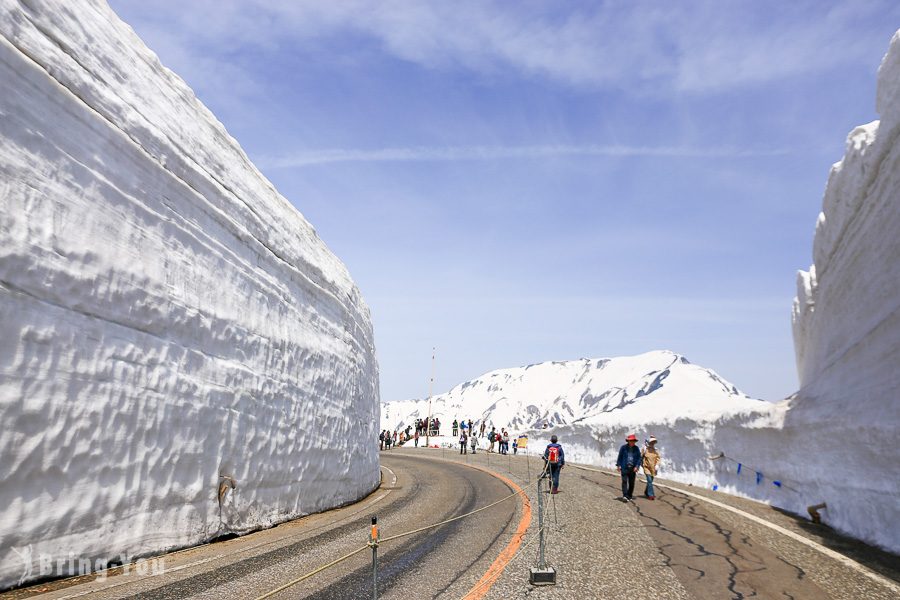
{"points": [[475, 153], [643, 46]]}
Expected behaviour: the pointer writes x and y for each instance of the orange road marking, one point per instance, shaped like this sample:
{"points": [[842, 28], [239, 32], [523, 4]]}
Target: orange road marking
{"points": [[496, 569]]}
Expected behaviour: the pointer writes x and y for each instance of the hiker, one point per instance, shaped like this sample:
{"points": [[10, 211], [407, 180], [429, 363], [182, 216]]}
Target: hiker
{"points": [[556, 460], [650, 461], [416, 438], [437, 426], [483, 425], [456, 427], [492, 437], [473, 441], [462, 443], [628, 463], [504, 441]]}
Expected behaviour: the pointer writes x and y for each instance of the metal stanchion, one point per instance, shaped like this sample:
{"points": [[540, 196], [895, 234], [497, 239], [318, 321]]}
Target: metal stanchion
{"points": [[542, 574], [373, 543]]}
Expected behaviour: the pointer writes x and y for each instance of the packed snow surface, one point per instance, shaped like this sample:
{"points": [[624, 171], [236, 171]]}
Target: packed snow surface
{"points": [[168, 322]]}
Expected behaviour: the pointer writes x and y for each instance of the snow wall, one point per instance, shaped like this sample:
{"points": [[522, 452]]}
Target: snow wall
{"points": [[167, 319], [845, 419]]}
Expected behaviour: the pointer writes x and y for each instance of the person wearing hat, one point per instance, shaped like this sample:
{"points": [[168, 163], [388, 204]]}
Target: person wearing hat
{"points": [[650, 460], [556, 460], [627, 464]]}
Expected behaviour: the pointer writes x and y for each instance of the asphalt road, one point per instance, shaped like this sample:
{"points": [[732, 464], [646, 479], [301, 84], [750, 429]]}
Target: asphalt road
{"points": [[679, 546], [444, 561]]}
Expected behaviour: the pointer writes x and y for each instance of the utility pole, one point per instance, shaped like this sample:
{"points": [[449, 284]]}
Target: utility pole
{"points": [[430, 389]]}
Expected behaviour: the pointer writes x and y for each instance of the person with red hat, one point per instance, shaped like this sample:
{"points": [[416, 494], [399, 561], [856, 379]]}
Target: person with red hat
{"points": [[627, 464]]}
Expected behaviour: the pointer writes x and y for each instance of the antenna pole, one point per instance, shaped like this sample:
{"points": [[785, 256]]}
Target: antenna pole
{"points": [[430, 389]]}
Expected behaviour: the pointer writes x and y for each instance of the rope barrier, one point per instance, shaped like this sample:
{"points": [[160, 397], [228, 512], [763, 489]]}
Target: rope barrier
{"points": [[389, 539], [311, 573]]}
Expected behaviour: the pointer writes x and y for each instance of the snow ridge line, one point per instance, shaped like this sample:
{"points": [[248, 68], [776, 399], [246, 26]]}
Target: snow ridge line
{"points": [[844, 560]]}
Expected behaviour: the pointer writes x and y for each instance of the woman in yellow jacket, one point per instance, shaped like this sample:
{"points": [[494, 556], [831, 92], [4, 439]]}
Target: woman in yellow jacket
{"points": [[650, 460]]}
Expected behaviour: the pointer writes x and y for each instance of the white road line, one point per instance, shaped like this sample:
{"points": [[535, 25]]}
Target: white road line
{"points": [[844, 560]]}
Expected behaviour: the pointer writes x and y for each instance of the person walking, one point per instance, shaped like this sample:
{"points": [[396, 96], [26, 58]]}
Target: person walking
{"points": [[462, 443], [505, 441], [416, 438], [455, 427], [492, 437], [650, 462], [556, 460], [627, 464], [483, 425], [381, 440], [473, 441], [515, 447]]}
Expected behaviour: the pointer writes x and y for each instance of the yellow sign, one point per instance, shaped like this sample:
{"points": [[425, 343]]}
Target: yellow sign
{"points": [[522, 442]]}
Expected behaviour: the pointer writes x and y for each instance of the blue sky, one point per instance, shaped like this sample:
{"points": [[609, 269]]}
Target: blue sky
{"points": [[514, 182]]}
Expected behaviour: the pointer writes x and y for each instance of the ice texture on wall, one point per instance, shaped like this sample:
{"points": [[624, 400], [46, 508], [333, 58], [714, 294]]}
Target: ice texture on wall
{"points": [[167, 319], [846, 319]]}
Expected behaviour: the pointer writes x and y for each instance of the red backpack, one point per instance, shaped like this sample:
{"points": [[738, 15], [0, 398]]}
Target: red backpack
{"points": [[553, 455]]}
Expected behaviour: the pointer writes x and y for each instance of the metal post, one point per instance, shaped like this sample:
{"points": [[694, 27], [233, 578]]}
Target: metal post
{"points": [[430, 389], [373, 542], [541, 563]]}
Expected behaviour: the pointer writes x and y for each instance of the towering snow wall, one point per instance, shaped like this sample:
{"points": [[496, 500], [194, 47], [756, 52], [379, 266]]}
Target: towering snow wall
{"points": [[846, 320], [167, 319]]}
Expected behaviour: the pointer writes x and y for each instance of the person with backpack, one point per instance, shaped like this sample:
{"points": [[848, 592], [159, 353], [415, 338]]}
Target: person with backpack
{"points": [[492, 437], [628, 463], [462, 443], [650, 461], [556, 460]]}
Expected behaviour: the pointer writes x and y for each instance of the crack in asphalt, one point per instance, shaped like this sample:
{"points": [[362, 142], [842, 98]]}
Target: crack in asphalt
{"points": [[738, 557]]}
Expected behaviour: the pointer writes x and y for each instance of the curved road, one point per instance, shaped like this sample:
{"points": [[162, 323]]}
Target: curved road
{"points": [[444, 561]]}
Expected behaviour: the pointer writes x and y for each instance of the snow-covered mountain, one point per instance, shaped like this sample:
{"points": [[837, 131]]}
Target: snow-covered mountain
{"points": [[169, 324], [657, 386]]}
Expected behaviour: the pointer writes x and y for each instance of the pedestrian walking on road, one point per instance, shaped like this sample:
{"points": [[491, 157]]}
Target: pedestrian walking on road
{"points": [[462, 443], [627, 464], [556, 460], [650, 462]]}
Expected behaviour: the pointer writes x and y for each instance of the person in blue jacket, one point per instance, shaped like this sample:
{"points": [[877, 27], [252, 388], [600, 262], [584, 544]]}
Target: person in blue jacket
{"points": [[556, 460], [627, 464]]}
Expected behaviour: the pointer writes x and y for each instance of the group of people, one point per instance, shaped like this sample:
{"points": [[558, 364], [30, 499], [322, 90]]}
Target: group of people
{"points": [[500, 438], [631, 458], [422, 427], [386, 439]]}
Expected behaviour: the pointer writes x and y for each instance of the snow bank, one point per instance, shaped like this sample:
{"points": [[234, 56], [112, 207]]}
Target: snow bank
{"points": [[167, 319], [846, 319]]}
